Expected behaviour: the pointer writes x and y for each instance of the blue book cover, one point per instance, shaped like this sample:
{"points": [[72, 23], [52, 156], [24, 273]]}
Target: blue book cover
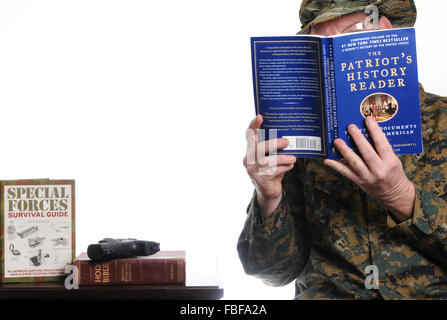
{"points": [[310, 88]]}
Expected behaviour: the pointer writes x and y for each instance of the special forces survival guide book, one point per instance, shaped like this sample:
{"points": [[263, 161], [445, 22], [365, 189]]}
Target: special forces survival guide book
{"points": [[311, 88], [37, 229]]}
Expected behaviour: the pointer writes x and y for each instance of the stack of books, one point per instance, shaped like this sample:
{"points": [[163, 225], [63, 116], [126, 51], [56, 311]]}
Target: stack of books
{"points": [[163, 267]]}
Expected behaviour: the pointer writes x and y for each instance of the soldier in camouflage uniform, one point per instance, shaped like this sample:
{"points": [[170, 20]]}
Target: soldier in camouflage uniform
{"points": [[322, 223]]}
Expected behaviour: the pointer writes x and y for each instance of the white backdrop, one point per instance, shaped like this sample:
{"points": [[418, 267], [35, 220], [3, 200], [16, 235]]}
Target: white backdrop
{"points": [[145, 104]]}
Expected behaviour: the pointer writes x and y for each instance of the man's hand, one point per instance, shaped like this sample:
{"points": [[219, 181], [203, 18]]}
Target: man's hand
{"points": [[379, 174], [266, 173]]}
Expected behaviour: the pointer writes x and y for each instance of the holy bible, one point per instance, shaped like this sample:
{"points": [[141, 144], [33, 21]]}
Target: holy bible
{"points": [[163, 267]]}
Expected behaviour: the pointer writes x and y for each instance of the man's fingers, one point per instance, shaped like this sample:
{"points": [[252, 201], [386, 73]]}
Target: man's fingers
{"points": [[343, 170], [274, 171], [285, 160], [367, 151], [276, 160], [256, 123], [282, 169], [271, 146], [381, 143], [355, 162], [272, 165], [257, 152], [251, 134]]}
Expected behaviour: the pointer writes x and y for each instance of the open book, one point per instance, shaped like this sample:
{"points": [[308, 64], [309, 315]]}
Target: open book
{"points": [[311, 88]]}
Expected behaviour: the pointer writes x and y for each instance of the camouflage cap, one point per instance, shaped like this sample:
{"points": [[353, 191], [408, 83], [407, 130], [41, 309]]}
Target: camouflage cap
{"points": [[401, 13]]}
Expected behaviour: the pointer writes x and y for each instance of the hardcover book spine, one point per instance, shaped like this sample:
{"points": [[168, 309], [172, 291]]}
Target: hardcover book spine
{"points": [[327, 90], [131, 271], [331, 107]]}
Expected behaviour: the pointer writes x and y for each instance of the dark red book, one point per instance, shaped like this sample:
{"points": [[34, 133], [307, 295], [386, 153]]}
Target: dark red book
{"points": [[164, 267]]}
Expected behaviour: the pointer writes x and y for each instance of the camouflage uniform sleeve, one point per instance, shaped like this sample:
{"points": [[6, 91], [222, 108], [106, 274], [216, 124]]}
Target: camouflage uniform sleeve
{"points": [[275, 249], [429, 216]]}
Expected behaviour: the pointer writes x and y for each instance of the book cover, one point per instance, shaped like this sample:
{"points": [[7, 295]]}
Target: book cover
{"points": [[37, 220], [310, 88], [163, 267]]}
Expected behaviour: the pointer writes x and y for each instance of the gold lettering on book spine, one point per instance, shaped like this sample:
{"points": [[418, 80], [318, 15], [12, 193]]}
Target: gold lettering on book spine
{"points": [[106, 273], [98, 273], [126, 272], [180, 270], [102, 273]]}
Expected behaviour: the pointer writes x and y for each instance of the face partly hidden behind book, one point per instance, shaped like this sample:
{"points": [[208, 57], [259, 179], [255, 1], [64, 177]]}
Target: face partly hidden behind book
{"points": [[354, 22]]}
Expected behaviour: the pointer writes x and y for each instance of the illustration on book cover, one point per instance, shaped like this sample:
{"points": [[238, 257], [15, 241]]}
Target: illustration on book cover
{"points": [[38, 224]]}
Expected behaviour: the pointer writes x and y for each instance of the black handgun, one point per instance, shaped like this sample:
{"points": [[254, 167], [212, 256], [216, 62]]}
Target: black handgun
{"points": [[108, 249]]}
